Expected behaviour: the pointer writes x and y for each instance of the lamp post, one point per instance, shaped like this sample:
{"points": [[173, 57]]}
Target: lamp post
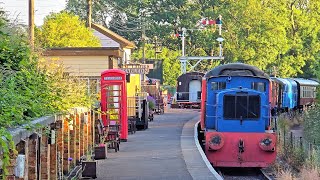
{"points": [[220, 40]]}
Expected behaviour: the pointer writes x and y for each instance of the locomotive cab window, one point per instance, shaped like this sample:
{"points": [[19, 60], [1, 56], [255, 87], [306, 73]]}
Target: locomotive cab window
{"points": [[258, 86], [241, 107], [218, 85]]}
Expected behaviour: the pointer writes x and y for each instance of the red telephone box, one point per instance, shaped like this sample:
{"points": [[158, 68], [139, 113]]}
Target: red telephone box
{"points": [[114, 100]]}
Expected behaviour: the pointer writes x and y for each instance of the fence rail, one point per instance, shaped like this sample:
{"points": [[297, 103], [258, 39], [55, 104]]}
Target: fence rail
{"points": [[296, 147]]}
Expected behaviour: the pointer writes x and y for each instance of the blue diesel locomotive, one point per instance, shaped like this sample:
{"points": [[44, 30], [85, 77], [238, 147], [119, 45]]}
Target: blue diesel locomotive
{"points": [[235, 117]]}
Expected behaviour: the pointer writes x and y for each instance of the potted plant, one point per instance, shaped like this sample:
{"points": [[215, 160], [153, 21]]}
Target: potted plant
{"points": [[89, 167], [100, 151], [151, 102]]}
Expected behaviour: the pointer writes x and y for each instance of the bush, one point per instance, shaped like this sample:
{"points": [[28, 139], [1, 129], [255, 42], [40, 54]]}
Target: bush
{"points": [[30, 88], [312, 125]]}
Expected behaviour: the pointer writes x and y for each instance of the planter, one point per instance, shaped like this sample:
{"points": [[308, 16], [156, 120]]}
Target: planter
{"points": [[89, 169], [100, 152]]}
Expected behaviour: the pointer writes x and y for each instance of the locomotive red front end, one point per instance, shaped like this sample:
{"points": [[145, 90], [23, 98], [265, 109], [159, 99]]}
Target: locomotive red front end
{"points": [[240, 149]]}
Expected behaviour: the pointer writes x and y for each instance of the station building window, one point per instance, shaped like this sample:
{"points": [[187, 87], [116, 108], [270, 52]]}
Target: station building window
{"points": [[93, 84]]}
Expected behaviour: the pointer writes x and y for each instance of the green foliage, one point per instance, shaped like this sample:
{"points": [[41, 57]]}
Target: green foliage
{"points": [[30, 88], [171, 64], [7, 149], [65, 30], [272, 35], [279, 36], [151, 105], [311, 125]]}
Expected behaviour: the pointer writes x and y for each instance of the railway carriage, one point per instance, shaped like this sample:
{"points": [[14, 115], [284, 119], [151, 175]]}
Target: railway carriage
{"points": [[306, 92], [290, 94], [286, 93], [189, 89], [235, 117]]}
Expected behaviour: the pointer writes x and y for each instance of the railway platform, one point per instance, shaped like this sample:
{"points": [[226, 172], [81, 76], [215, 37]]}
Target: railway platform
{"points": [[165, 151]]}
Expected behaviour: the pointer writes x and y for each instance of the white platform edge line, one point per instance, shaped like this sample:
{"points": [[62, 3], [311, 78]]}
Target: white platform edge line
{"points": [[204, 157]]}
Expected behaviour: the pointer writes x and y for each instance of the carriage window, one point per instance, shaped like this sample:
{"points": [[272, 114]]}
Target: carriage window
{"points": [[258, 86], [308, 92], [218, 85], [241, 106]]}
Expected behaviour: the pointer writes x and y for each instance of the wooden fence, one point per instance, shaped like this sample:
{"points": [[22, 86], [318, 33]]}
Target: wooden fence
{"points": [[54, 149]]}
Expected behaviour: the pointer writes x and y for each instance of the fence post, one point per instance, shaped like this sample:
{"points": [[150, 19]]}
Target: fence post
{"points": [[310, 152], [284, 138], [275, 123], [291, 140]]}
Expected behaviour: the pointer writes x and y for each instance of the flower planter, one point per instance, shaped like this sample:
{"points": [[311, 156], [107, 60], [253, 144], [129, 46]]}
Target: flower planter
{"points": [[89, 169], [100, 152]]}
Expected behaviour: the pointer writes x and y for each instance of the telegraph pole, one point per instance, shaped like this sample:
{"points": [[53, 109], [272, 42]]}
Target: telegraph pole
{"points": [[143, 38], [31, 23], [89, 13], [183, 62], [155, 46], [183, 41]]}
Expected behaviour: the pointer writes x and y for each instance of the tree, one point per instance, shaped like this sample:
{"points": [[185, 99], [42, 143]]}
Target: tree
{"points": [[65, 30], [272, 35], [123, 17], [171, 64]]}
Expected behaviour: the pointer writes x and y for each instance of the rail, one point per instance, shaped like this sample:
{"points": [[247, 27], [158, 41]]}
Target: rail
{"points": [[245, 173]]}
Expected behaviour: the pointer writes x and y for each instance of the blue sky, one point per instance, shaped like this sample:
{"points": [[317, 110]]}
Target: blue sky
{"points": [[18, 9]]}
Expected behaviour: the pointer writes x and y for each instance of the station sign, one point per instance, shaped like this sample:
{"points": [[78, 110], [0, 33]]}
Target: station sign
{"points": [[136, 69]]}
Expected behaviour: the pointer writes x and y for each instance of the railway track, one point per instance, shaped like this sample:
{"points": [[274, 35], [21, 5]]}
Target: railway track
{"points": [[244, 174]]}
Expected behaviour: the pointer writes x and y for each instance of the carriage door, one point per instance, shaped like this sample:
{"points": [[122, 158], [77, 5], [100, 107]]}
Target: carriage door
{"points": [[114, 100], [194, 88]]}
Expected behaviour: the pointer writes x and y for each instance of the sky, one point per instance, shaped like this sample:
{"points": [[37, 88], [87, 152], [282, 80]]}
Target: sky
{"points": [[18, 9]]}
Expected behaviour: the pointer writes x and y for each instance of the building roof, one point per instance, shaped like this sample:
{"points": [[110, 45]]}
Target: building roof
{"points": [[114, 36]]}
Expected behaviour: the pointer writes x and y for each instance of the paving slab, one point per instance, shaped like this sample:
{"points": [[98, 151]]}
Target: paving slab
{"points": [[197, 163], [154, 153], [165, 151]]}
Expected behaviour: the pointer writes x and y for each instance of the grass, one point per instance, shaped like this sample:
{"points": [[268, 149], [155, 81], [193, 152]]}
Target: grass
{"points": [[305, 174], [285, 175]]}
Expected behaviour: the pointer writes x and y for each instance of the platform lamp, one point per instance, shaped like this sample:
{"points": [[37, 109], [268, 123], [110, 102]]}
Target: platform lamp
{"points": [[220, 40]]}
